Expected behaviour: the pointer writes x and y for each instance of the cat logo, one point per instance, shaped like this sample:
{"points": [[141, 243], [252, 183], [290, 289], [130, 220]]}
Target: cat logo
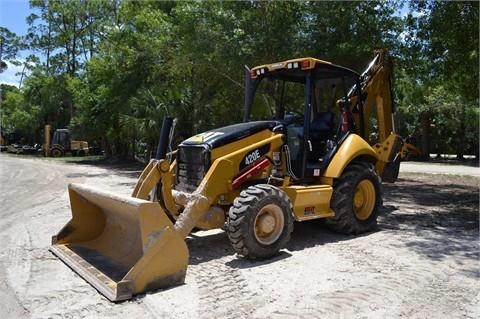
{"points": [[204, 137], [196, 138]]}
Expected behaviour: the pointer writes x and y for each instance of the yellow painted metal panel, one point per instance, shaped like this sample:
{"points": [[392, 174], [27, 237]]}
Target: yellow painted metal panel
{"points": [[353, 147], [219, 177], [310, 202], [240, 144]]}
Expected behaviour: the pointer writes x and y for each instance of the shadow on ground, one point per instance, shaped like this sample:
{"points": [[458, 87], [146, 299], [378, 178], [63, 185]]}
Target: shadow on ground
{"points": [[438, 219], [435, 220], [131, 169], [305, 235]]}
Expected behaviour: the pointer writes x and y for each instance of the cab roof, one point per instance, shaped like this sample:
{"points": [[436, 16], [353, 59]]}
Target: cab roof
{"points": [[295, 69]]}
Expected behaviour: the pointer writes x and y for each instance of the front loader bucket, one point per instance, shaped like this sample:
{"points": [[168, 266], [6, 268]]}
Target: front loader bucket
{"points": [[121, 245]]}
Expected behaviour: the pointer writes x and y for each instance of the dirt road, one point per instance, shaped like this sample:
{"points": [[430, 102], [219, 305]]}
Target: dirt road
{"points": [[422, 262], [437, 168]]}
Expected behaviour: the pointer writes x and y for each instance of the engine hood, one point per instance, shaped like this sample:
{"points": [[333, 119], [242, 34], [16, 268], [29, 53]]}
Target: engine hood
{"points": [[228, 134]]}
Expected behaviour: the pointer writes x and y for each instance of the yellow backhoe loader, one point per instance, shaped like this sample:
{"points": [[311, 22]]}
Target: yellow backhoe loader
{"points": [[62, 143], [323, 155]]}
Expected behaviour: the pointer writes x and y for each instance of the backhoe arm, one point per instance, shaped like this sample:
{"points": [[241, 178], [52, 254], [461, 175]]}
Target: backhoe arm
{"points": [[376, 95]]}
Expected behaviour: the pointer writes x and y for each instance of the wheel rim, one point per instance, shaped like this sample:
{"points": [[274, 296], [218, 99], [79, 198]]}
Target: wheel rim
{"points": [[269, 224], [56, 153], [364, 199]]}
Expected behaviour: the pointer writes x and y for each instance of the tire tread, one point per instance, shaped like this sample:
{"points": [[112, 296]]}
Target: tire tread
{"points": [[240, 216]]}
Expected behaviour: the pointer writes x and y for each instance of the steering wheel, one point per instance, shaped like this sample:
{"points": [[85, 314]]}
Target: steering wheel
{"points": [[294, 117]]}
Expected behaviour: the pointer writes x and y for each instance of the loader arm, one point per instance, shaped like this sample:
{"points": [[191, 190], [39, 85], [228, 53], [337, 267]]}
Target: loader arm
{"points": [[217, 181], [126, 245], [158, 173]]}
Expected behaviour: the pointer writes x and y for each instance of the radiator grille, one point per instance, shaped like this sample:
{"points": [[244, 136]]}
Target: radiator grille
{"points": [[193, 162]]}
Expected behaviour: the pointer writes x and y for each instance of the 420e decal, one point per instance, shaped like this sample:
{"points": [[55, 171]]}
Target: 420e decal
{"points": [[253, 156]]}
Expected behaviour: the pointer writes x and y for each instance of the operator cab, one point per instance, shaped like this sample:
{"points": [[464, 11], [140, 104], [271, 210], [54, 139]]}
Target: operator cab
{"points": [[62, 137], [311, 98]]}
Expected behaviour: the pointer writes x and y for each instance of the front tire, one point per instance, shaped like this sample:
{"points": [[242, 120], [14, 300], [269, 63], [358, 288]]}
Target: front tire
{"points": [[356, 200], [260, 221], [56, 152]]}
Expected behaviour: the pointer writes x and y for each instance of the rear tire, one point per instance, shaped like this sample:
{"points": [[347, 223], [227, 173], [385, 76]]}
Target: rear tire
{"points": [[356, 200], [260, 221]]}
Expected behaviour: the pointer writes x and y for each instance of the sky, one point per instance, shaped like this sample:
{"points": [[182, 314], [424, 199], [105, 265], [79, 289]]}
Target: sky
{"points": [[13, 14]]}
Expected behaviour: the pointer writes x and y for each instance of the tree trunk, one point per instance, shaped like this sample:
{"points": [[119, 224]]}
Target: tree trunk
{"points": [[74, 48], [461, 137], [425, 122], [106, 147]]}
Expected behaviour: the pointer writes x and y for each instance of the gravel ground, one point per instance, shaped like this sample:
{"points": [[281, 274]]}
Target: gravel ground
{"points": [[438, 168], [421, 262]]}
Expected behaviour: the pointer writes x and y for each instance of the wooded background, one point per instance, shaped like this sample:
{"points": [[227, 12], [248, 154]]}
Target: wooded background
{"points": [[111, 70]]}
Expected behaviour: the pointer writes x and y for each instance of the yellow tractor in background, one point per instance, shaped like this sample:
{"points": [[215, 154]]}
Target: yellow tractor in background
{"points": [[323, 155], [62, 144]]}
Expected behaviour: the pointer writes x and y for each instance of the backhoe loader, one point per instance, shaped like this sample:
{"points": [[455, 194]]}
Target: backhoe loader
{"points": [[62, 143], [322, 154]]}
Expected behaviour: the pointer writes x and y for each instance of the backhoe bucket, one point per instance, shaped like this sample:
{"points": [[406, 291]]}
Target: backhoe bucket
{"points": [[121, 245]]}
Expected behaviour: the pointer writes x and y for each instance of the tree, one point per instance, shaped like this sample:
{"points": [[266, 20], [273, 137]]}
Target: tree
{"points": [[113, 69], [9, 47], [453, 31], [115, 94], [440, 54], [17, 115], [68, 32]]}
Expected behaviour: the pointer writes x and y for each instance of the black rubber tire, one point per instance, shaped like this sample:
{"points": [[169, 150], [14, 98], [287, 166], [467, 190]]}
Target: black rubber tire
{"points": [[81, 153], [56, 152], [342, 203], [242, 219]]}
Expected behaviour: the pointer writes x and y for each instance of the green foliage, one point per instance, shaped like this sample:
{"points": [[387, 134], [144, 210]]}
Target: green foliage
{"points": [[17, 115], [10, 44], [113, 69], [438, 83]]}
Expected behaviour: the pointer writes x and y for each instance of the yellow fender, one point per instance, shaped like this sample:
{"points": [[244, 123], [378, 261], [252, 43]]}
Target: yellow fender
{"points": [[353, 147]]}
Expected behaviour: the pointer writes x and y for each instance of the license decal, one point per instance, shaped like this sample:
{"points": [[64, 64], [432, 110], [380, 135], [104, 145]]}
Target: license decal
{"points": [[309, 211]]}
